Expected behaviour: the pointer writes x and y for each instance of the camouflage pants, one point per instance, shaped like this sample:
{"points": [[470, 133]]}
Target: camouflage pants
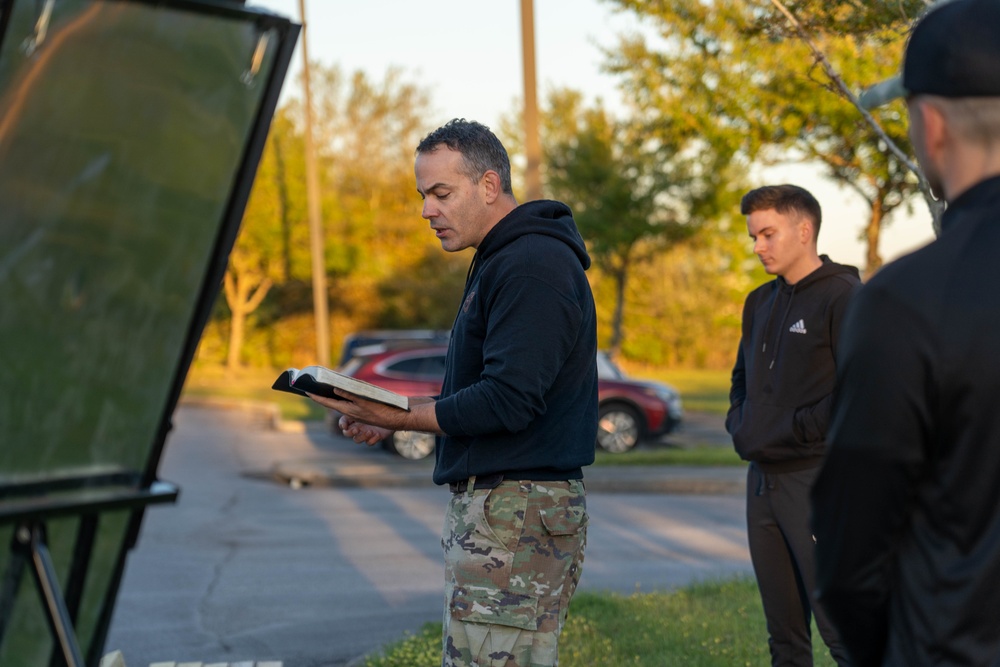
{"points": [[513, 557]]}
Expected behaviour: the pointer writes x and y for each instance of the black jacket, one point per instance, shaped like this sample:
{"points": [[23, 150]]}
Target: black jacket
{"points": [[907, 505], [785, 368], [520, 388]]}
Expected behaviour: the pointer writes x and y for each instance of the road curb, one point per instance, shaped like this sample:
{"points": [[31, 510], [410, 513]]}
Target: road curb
{"points": [[659, 479], [320, 472]]}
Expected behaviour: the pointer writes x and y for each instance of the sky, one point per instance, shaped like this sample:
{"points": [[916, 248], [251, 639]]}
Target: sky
{"points": [[467, 55]]}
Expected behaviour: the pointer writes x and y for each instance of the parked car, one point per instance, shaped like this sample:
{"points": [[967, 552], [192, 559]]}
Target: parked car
{"points": [[628, 410], [631, 410], [395, 338]]}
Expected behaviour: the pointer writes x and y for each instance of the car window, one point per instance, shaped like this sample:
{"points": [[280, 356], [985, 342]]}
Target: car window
{"points": [[411, 366], [424, 366]]}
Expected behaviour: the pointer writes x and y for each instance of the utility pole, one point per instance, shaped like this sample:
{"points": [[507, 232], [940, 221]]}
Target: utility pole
{"points": [[321, 311], [532, 146]]}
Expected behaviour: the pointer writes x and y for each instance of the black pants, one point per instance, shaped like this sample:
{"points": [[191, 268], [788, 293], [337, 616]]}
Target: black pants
{"points": [[782, 549]]}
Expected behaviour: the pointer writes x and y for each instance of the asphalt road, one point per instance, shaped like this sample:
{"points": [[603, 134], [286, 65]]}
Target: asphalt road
{"points": [[246, 568]]}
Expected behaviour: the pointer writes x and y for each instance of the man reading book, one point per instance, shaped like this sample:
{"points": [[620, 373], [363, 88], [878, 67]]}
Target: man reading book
{"points": [[517, 414]]}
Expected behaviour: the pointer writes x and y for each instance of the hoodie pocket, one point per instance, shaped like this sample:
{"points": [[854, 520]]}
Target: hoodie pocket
{"points": [[811, 423], [765, 432]]}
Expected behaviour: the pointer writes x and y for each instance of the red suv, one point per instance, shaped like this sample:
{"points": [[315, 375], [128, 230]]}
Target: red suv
{"points": [[629, 410]]}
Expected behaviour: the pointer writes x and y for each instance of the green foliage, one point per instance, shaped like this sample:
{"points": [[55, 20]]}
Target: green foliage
{"points": [[709, 624], [685, 304], [384, 267], [852, 17], [427, 294], [738, 80], [712, 88], [702, 390], [634, 195]]}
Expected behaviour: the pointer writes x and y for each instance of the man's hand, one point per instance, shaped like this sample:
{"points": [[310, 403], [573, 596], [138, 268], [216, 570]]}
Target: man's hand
{"points": [[369, 421], [364, 411], [360, 432]]}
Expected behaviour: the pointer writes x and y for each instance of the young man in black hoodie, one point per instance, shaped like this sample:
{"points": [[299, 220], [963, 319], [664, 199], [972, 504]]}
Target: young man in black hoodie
{"points": [[780, 400], [517, 410]]}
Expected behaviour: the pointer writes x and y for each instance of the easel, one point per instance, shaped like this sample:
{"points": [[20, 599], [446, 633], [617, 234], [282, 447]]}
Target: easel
{"points": [[115, 230], [29, 507]]}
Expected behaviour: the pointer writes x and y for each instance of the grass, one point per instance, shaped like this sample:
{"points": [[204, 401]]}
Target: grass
{"points": [[695, 456], [701, 390], [711, 624], [249, 384]]}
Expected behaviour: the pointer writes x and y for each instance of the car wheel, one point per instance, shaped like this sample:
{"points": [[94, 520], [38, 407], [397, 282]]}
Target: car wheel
{"points": [[411, 444], [618, 428]]}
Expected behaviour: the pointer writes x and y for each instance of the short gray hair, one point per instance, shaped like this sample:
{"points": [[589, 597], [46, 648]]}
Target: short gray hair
{"points": [[481, 150]]}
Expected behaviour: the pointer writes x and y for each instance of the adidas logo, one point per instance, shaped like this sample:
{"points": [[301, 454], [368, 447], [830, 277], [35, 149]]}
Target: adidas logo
{"points": [[798, 327]]}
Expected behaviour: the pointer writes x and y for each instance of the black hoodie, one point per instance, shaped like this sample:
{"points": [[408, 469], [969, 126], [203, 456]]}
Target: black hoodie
{"points": [[785, 371], [520, 387]]}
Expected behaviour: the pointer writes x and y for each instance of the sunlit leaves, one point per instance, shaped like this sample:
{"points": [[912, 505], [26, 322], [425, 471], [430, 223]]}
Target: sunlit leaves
{"points": [[734, 76]]}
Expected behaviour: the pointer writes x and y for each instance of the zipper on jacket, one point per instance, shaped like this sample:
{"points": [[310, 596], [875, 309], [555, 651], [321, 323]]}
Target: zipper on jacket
{"points": [[781, 324]]}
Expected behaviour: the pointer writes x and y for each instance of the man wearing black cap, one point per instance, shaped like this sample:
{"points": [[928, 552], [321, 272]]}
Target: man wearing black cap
{"points": [[906, 510]]}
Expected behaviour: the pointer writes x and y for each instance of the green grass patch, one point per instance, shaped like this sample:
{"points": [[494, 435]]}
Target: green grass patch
{"points": [[701, 390], [712, 624], [694, 456], [249, 384]]}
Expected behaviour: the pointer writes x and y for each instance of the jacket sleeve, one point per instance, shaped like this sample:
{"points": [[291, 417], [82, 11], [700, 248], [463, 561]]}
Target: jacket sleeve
{"points": [[533, 328], [877, 446], [737, 391]]}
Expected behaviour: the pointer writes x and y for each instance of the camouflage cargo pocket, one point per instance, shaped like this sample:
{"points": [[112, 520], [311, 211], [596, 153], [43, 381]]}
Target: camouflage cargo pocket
{"points": [[503, 517], [563, 521], [494, 606]]}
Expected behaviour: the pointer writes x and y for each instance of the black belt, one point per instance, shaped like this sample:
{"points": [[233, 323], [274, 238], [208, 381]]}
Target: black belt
{"points": [[482, 482]]}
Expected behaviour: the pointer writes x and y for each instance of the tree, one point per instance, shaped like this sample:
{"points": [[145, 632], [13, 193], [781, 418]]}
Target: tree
{"points": [[381, 260], [635, 193], [685, 303], [628, 195], [735, 77], [868, 20], [263, 253], [368, 132]]}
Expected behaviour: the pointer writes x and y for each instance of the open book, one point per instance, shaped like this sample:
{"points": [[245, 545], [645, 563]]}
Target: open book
{"points": [[321, 381]]}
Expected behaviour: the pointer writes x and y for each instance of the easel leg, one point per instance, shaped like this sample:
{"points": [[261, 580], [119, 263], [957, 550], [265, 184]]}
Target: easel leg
{"points": [[11, 582], [31, 538]]}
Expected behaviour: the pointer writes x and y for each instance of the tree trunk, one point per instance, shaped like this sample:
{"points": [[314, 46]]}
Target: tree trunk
{"points": [[237, 322], [237, 327], [620, 276], [243, 298]]}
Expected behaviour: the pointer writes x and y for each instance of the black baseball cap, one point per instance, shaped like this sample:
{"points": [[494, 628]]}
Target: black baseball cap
{"points": [[953, 51]]}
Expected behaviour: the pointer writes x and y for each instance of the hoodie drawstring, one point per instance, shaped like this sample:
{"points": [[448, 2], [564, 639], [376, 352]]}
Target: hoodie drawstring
{"points": [[781, 325]]}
